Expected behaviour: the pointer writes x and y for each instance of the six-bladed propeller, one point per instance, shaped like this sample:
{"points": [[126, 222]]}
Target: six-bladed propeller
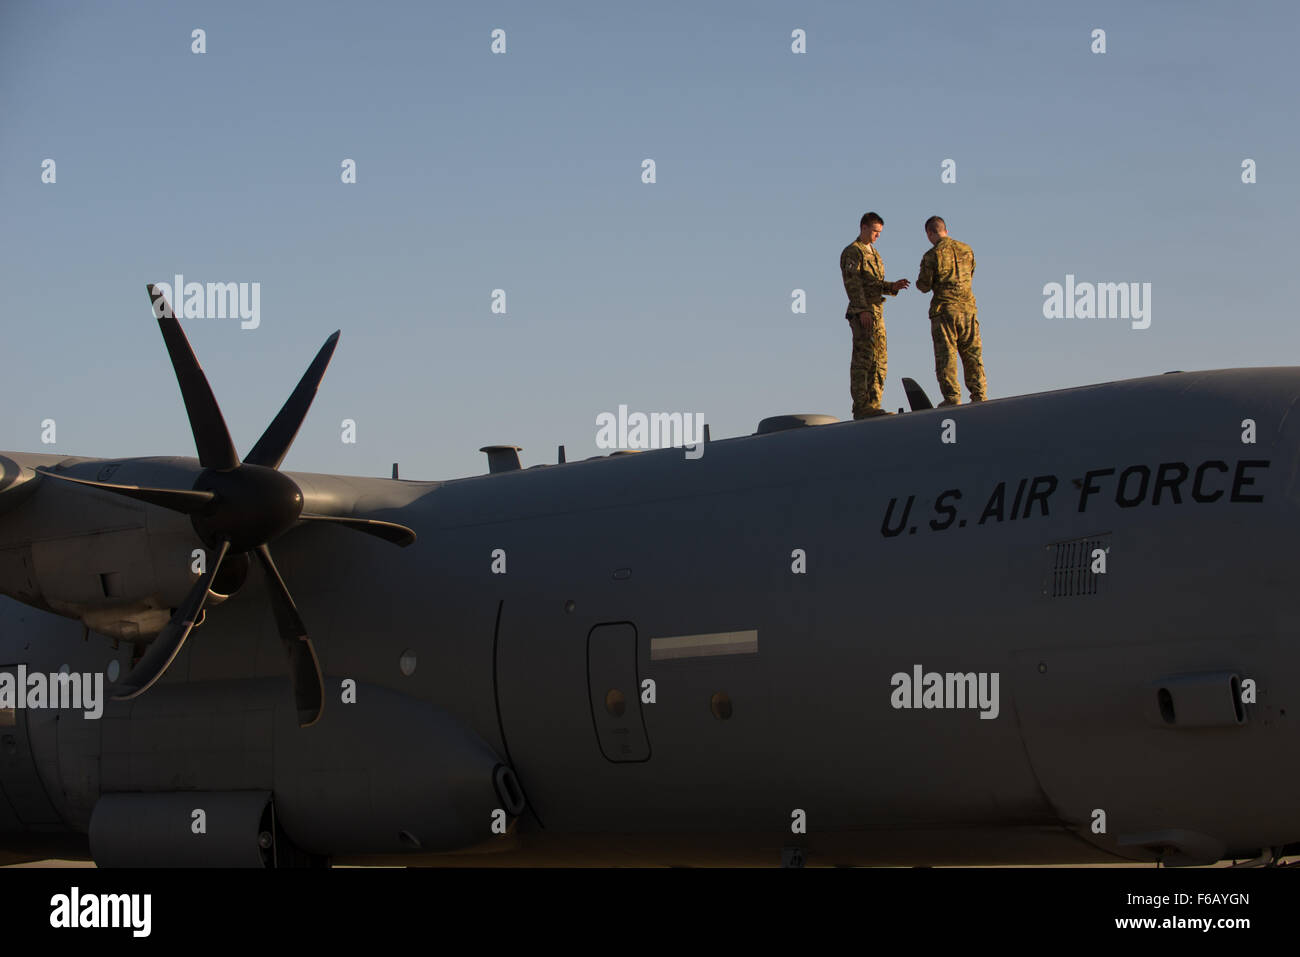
{"points": [[238, 507]]}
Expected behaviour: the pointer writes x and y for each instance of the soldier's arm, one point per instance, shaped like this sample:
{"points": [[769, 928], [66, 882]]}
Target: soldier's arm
{"points": [[855, 282], [925, 278]]}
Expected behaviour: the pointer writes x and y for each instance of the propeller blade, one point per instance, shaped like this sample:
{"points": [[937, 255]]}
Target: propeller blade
{"points": [[211, 437], [273, 446], [186, 502], [164, 649], [304, 667], [388, 531]]}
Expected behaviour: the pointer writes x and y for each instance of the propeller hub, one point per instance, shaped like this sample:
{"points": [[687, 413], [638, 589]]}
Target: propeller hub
{"points": [[253, 506]]}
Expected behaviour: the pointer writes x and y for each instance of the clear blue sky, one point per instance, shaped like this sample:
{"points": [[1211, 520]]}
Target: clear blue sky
{"points": [[522, 171]]}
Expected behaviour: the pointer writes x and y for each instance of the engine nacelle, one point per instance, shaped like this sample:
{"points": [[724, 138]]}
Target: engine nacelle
{"points": [[388, 776], [118, 566]]}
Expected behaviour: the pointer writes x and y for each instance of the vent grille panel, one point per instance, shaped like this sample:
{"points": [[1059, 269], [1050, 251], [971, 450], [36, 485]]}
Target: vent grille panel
{"points": [[1069, 567]]}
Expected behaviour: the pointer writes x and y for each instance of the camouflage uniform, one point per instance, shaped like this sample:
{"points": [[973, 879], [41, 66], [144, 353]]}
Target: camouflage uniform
{"points": [[864, 281], [947, 269]]}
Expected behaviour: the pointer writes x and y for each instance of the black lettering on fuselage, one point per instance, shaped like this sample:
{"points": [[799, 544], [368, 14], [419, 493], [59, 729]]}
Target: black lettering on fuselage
{"points": [[1131, 490], [1039, 496], [1089, 488], [902, 522], [1163, 482], [994, 508], [1197, 493], [1126, 501], [941, 508], [1015, 506], [1239, 481]]}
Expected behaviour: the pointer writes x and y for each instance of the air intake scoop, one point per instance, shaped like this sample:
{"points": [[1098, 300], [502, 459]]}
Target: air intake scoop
{"points": [[779, 423]]}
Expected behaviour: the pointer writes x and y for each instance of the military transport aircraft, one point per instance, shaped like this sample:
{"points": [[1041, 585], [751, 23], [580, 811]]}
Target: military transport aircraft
{"points": [[1050, 628]]}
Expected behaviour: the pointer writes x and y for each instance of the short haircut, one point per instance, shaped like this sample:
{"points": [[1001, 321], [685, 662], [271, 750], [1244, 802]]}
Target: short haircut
{"points": [[935, 223], [869, 218]]}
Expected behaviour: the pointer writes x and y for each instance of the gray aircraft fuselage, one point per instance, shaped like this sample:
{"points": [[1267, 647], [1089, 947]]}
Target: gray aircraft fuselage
{"points": [[707, 660]]}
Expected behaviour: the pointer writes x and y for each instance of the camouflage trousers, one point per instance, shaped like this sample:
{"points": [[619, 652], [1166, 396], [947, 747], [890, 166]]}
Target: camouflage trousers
{"points": [[956, 333], [867, 367]]}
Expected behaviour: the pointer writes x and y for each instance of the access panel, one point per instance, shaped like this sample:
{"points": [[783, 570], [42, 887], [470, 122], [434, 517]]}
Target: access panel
{"points": [[615, 692]]}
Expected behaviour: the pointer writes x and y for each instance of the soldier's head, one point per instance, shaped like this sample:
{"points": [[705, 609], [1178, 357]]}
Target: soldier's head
{"points": [[935, 229], [870, 227]]}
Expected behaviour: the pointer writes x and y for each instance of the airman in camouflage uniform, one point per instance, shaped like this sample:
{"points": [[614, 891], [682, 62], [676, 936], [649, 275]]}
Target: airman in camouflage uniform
{"points": [[947, 269], [864, 281]]}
